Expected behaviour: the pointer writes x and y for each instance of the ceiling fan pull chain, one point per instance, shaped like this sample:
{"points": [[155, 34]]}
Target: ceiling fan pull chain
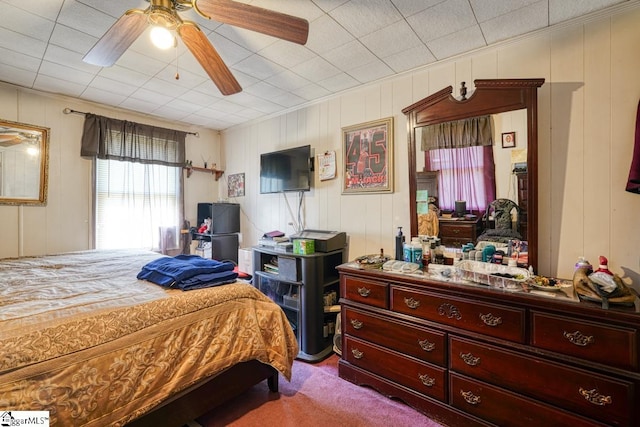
{"points": [[177, 73]]}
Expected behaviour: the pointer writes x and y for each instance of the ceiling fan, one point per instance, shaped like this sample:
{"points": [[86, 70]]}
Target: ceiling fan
{"points": [[164, 13]]}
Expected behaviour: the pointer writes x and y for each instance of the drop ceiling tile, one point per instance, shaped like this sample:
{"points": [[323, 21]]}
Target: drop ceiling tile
{"points": [[199, 98], [256, 103], [325, 34], [85, 18], [62, 56], [21, 43], [115, 8], [329, 5], [361, 17], [247, 39], [311, 91], [126, 75], [442, 19], [288, 80], [560, 10], [19, 60], [46, 9], [286, 54], [139, 105], [411, 7], [171, 113], [316, 69], [264, 90], [56, 85], [141, 63], [486, 10], [186, 79], [224, 106], [72, 39], [229, 51], [515, 23], [462, 41], [168, 88], [179, 104], [156, 98], [305, 9], [115, 86], [18, 76], [288, 100], [106, 97], [23, 22], [349, 56], [258, 67], [63, 72], [409, 59], [339, 82], [372, 71], [389, 40]]}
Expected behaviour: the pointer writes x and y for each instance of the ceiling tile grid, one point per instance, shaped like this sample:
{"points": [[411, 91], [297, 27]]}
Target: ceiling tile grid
{"points": [[350, 43]]}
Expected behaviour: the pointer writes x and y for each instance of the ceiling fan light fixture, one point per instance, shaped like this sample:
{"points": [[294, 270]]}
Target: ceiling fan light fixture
{"points": [[162, 37]]}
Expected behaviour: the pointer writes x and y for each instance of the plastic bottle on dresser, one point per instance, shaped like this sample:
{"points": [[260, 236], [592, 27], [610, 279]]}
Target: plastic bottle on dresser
{"points": [[416, 250], [407, 252]]}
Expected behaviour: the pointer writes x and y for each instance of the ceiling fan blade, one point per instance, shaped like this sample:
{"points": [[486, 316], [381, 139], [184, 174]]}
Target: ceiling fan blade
{"points": [[255, 18], [199, 45], [117, 39]]}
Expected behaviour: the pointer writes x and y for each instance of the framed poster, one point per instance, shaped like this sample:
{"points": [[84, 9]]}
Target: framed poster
{"points": [[368, 157], [235, 185]]}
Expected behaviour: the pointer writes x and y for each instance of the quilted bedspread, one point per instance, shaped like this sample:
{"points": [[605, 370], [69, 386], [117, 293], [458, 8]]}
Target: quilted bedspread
{"points": [[82, 338]]}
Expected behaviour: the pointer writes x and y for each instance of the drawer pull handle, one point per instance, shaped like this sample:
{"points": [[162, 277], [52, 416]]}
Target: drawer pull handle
{"points": [[357, 324], [427, 380], [491, 320], [412, 303], [364, 292], [357, 353], [470, 359], [449, 310], [592, 396], [426, 345], [455, 231], [578, 338], [470, 398]]}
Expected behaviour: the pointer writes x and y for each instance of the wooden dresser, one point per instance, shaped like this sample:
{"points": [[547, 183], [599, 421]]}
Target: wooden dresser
{"points": [[467, 355], [456, 232]]}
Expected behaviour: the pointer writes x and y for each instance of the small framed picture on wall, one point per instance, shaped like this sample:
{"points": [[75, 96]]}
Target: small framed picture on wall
{"points": [[508, 139]]}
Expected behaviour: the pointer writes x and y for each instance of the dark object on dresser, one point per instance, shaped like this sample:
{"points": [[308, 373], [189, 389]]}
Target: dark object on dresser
{"points": [[468, 355]]}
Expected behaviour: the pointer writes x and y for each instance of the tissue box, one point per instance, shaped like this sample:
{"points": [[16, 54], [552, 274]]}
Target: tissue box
{"points": [[304, 246]]}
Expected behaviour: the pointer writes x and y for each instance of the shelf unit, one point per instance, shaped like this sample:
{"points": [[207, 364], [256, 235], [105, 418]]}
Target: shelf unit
{"points": [[216, 172], [299, 286]]}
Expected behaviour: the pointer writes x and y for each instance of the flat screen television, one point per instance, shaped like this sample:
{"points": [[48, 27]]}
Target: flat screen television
{"points": [[286, 170]]}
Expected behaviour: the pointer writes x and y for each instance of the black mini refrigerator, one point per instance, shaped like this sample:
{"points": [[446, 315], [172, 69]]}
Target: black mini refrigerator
{"points": [[224, 237]]}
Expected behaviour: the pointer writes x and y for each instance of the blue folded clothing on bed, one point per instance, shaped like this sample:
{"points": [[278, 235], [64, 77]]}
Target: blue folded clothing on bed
{"points": [[188, 272]]}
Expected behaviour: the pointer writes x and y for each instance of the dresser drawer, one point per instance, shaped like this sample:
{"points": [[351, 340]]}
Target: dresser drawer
{"points": [[593, 395], [489, 319], [365, 291], [422, 377], [611, 345], [505, 408], [423, 343]]}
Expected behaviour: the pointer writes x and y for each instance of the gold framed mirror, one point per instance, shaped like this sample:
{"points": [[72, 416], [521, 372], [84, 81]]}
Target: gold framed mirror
{"points": [[489, 97], [24, 163]]}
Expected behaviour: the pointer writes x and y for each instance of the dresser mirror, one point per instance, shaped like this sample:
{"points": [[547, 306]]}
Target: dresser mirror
{"points": [[24, 155], [512, 107]]}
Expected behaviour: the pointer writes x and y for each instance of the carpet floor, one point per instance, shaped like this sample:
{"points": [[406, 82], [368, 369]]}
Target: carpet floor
{"points": [[316, 396]]}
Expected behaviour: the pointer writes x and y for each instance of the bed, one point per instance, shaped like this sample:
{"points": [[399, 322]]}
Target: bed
{"points": [[82, 338]]}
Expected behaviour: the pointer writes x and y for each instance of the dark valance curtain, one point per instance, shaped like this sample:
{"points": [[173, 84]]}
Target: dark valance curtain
{"points": [[113, 139], [476, 131]]}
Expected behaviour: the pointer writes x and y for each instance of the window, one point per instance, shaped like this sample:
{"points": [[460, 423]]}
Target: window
{"points": [[138, 181], [133, 201], [465, 174]]}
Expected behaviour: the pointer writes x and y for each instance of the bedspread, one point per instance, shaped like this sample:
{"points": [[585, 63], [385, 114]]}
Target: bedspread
{"points": [[81, 337]]}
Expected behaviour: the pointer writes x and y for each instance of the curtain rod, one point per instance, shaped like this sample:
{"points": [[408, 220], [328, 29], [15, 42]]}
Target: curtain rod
{"points": [[70, 111]]}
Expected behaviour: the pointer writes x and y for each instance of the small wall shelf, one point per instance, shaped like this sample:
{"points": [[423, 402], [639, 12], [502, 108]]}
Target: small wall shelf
{"points": [[217, 173]]}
